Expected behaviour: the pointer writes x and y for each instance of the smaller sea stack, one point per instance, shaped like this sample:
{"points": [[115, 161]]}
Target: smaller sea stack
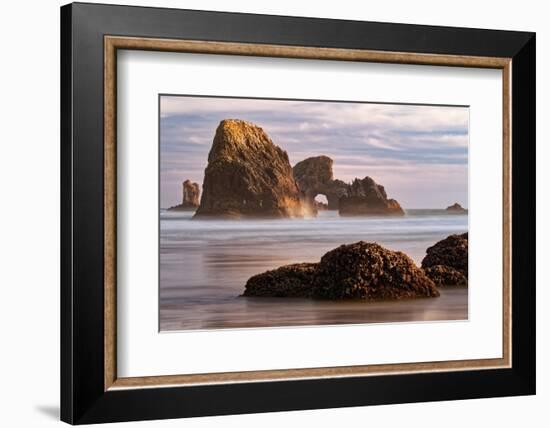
{"points": [[190, 197], [456, 208], [286, 281]]}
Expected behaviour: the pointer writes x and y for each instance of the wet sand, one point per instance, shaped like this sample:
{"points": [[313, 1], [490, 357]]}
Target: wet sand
{"points": [[278, 312]]}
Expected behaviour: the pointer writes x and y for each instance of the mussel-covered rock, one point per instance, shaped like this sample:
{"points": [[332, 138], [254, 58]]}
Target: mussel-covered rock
{"points": [[287, 281], [362, 271], [445, 275], [190, 197], [368, 271], [451, 251]]}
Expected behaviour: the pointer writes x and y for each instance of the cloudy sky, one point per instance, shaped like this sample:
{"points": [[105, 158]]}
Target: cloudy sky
{"points": [[419, 153]]}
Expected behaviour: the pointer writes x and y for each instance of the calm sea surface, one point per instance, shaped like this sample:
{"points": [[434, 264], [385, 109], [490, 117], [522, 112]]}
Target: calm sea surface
{"points": [[204, 265]]}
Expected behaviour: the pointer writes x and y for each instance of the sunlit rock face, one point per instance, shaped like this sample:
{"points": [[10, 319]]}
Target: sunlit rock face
{"points": [[287, 281], [368, 271], [443, 275], [248, 176]]}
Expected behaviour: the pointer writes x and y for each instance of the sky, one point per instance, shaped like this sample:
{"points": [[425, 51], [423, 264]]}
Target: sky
{"points": [[418, 153]]}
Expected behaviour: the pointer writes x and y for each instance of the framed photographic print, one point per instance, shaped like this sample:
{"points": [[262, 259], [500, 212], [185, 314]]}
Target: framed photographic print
{"points": [[266, 213]]}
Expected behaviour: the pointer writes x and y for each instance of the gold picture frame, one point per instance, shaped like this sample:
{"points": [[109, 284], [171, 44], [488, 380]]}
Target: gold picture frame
{"points": [[114, 43]]}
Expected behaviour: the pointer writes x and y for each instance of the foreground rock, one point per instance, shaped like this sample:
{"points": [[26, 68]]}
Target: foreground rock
{"points": [[368, 271], [363, 271], [451, 251], [446, 262], [286, 281], [366, 197], [445, 275], [456, 208], [191, 197], [314, 176], [248, 176]]}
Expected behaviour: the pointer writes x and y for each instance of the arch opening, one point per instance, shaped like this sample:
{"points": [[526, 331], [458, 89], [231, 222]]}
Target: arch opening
{"points": [[321, 201]]}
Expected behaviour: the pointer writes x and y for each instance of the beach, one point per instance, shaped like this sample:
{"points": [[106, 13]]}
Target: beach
{"points": [[204, 265]]}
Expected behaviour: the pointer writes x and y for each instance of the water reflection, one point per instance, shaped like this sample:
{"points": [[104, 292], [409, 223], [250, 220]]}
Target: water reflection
{"points": [[205, 264]]}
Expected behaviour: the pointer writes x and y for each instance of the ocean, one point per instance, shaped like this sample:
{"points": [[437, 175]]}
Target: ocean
{"points": [[204, 266]]}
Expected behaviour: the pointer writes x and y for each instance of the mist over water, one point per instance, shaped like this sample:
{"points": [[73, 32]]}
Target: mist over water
{"points": [[204, 266]]}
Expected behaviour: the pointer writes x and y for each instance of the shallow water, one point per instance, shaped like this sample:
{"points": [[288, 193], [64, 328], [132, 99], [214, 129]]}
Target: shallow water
{"points": [[204, 265]]}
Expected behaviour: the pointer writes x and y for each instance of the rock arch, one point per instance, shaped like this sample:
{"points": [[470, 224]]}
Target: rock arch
{"points": [[314, 176]]}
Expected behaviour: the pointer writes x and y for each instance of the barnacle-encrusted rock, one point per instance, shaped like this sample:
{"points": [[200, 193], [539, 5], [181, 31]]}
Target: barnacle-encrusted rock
{"points": [[286, 281], [363, 271], [451, 251], [368, 271], [445, 275]]}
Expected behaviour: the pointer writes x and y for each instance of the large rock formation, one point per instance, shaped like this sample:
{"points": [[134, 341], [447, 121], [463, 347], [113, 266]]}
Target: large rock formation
{"points": [[248, 176], [364, 271], [446, 262], [366, 197], [314, 176], [456, 208], [190, 199]]}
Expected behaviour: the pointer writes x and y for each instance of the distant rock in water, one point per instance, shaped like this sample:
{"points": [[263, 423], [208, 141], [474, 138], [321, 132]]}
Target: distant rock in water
{"points": [[445, 275], [445, 257], [314, 176], [366, 197], [248, 176], [286, 281], [362, 271], [190, 199], [456, 208]]}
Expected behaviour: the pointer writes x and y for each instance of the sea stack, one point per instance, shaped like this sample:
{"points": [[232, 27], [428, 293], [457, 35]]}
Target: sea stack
{"points": [[314, 177], [366, 197], [190, 197], [248, 176], [456, 208]]}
